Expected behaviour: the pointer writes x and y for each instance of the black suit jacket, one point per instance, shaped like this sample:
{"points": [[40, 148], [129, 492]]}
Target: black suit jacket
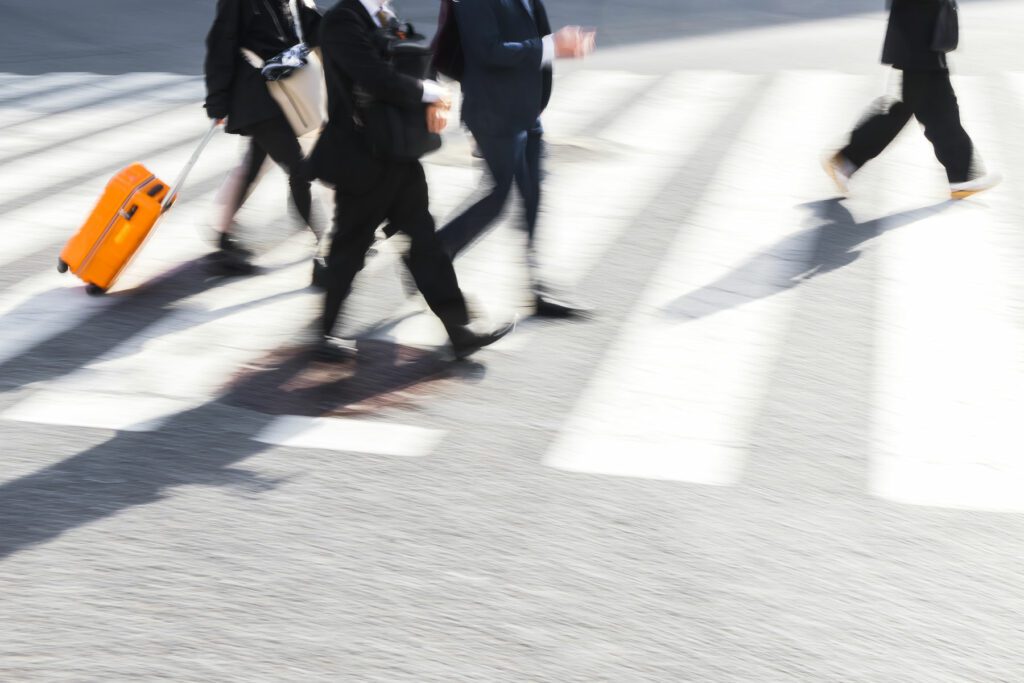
{"points": [[504, 87], [234, 88], [908, 41], [351, 58]]}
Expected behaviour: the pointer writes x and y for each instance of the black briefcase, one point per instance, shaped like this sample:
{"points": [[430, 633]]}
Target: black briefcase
{"points": [[396, 132], [947, 27], [448, 58]]}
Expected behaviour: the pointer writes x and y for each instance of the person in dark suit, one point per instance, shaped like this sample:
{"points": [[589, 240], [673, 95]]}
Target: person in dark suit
{"points": [[371, 188], [506, 84], [927, 95], [237, 96]]}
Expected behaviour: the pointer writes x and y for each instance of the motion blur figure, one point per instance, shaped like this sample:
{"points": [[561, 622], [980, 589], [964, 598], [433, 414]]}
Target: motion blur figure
{"points": [[506, 84], [237, 94], [927, 94], [372, 187]]}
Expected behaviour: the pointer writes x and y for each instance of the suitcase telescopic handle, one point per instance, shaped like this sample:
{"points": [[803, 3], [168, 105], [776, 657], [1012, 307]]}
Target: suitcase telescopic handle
{"points": [[173, 194]]}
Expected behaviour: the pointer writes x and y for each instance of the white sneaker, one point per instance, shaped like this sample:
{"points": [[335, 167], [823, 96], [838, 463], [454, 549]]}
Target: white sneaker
{"points": [[979, 184], [839, 169]]}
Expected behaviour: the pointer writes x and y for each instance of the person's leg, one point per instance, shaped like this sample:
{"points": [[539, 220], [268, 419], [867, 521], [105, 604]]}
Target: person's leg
{"points": [[879, 127], [245, 181], [430, 266], [528, 181], [355, 219], [233, 257], [528, 178], [278, 139], [502, 155], [937, 109]]}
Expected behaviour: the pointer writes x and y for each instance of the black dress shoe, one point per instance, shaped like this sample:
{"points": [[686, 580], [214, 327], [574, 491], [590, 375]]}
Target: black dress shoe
{"points": [[465, 341], [228, 264], [319, 273], [546, 307], [335, 349], [233, 258]]}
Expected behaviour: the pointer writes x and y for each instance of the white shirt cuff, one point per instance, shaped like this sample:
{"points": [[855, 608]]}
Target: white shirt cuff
{"points": [[433, 91], [549, 51]]}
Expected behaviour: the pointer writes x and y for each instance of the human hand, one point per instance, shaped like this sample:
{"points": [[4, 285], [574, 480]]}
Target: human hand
{"points": [[437, 117], [588, 37], [571, 42]]}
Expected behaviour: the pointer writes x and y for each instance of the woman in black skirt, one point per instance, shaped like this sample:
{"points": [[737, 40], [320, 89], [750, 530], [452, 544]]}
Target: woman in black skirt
{"points": [[237, 95]]}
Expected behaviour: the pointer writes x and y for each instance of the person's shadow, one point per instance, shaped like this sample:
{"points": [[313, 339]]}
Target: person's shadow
{"points": [[202, 446], [835, 243]]}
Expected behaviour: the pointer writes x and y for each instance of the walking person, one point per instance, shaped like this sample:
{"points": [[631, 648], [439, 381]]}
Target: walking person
{"points": [[915, 45], [508, 50], [237, 95], [372, 186]]}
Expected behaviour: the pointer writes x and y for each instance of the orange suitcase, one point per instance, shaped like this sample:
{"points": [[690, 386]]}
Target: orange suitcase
{"points": [[124, 217]]}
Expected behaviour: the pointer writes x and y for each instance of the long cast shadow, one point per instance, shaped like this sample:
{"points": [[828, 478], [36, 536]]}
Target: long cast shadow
{"points": [[196, 447], [100, 98], [130, 314], [787, 263], [184, 105], [107, 167]]}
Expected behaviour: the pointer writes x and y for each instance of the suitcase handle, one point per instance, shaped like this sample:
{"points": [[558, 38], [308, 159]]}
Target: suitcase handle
{"points": [[173, 194]]}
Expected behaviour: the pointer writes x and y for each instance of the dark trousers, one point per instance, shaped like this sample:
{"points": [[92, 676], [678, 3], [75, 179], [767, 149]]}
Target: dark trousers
{"points": [[513, 158], [399, 197], [275, 138], [928, 96]]}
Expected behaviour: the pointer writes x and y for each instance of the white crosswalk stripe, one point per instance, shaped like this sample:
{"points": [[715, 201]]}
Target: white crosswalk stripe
{"points": [[951, 385], [22, 87], [357, 436], [676, 396], [48, 304], [55, 131], [655, 137], [85, 97], [23, 176], [691, 370]]}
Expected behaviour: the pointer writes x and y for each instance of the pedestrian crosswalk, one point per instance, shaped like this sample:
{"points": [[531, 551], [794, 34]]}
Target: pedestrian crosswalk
{"points": [[951, 377], [681, 381], [712, 316]]}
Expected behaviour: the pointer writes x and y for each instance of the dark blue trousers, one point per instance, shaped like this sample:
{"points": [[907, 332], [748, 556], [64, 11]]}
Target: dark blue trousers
{"points": [[510, 159]]}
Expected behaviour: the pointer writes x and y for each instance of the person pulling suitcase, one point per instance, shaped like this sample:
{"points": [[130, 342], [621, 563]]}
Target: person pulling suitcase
{"points": [[248, 41], [132, 203]]}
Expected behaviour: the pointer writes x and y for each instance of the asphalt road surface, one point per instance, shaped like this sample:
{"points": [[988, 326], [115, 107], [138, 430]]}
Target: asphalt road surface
{"points": [[120, 36], [786, 447]]}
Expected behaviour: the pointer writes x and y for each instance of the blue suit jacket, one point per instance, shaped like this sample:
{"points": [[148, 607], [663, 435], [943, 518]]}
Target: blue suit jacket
{"points": [[504, 87]]}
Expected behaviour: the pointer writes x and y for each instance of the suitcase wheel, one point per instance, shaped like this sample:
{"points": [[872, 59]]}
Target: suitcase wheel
{"points": [[94, 290], [61, 266]]}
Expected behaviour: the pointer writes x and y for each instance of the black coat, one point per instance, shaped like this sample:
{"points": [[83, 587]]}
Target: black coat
{"points": [[351, 57], [908, 42], [234, 88], [504, 87]]}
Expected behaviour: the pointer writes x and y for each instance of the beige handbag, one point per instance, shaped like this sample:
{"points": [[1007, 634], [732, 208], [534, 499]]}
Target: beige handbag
{"points": [[302, 95]]}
